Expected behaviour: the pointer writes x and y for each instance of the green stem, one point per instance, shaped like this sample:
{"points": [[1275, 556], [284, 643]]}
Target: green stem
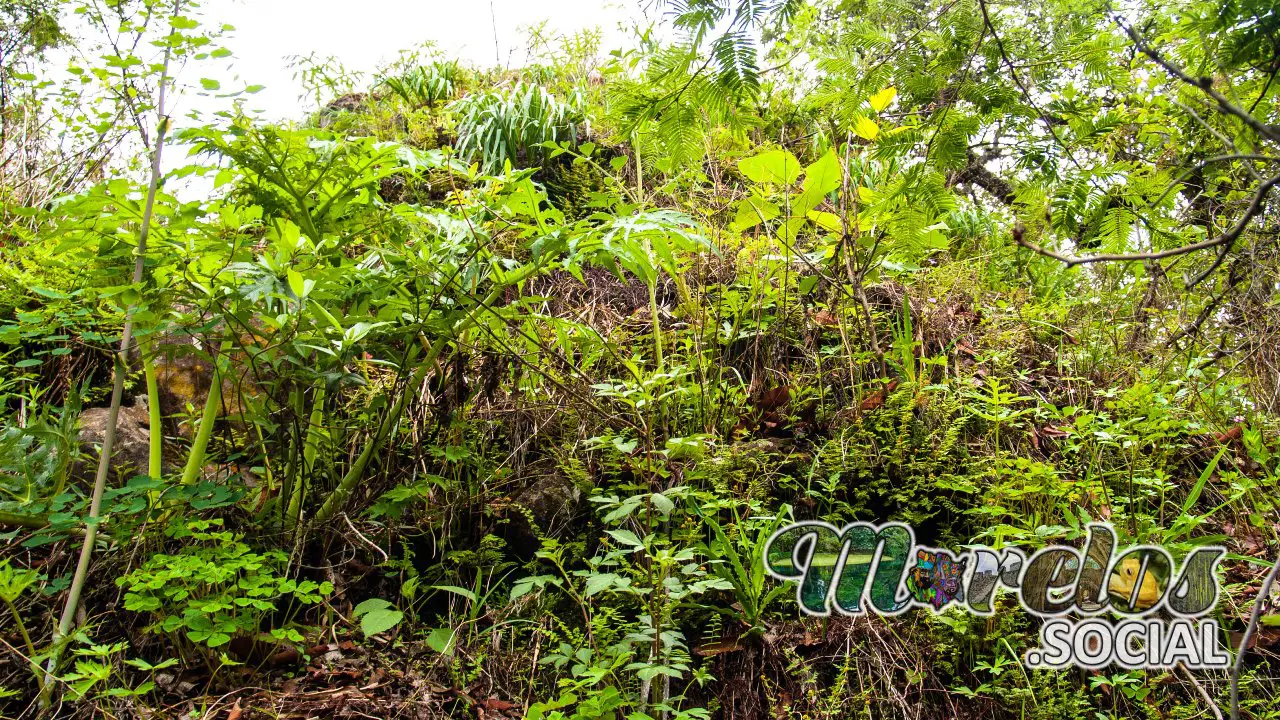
{"points": [[26, 638], [338, 499], [309, 451], [120, 368], [155, 458], [657, 326], [212, 404]]}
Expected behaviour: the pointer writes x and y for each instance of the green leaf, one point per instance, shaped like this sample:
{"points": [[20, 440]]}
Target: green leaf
{"points": [[380, 620], [775, 166], [626, 537], [752, 211], [442, 640], [456, 590], [820, 178], [209, 84], [600, 583], [297, 284]]}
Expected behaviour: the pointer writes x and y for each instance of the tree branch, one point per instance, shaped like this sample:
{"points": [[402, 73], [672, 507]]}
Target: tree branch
{"points": [[1227, 239], [1205, 84]]}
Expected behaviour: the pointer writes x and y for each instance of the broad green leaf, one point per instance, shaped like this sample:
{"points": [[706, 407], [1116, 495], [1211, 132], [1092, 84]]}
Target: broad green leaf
{"points": [[775, 166], [820, 178], [380, 620], [601, 582], [297, 284], [442, 640], [827, 221], [626, 537], [752, 211]]}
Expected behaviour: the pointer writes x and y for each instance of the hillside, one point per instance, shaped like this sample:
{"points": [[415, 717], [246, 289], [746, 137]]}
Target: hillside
{"points": [[480, 392]]}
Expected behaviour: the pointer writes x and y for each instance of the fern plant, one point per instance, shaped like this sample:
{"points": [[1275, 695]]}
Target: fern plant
{"points": [[497, 127]]}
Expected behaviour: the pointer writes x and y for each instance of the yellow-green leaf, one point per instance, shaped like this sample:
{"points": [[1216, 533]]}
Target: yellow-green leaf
{"points": [[866, 128], [827, 221], [820, 178], [881, 100]]}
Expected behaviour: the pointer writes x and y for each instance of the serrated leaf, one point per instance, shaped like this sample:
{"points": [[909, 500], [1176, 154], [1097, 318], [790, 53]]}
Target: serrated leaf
{"points": [[600, 583], [626, 537]]}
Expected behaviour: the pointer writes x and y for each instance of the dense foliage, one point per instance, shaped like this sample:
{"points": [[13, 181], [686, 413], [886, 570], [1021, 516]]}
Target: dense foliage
{"points": [[478, 392]]}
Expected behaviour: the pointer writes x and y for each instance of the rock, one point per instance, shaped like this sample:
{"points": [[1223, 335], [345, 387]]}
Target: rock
{"points": [[132, 447], [552, 501], [545, 509]]}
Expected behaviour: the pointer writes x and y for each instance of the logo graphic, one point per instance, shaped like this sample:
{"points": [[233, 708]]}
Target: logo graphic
{"points": [[937, 578], [1102, 605]]}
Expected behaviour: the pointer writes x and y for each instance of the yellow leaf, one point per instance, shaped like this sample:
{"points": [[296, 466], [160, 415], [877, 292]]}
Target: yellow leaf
{"points": [[866, 128], [881, 100]]}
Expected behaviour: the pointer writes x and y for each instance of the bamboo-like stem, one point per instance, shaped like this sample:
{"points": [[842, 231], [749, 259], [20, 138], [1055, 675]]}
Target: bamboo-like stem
{"points": [[657, 326], [199, 446], [310, 449], [155, 437], [119, 371]]}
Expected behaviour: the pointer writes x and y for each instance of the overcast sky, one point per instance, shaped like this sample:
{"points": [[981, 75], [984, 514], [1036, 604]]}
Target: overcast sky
{"points": [[364, 33]]}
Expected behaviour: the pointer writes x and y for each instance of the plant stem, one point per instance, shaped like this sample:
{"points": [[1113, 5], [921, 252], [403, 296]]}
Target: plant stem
{"points": [[155, 457], [657, 326], [309, 450], [26, 638], [338, 499], [199, 446], [119, 370]]}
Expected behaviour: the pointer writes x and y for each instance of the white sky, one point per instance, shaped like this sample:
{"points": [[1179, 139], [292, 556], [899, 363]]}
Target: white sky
{"points": [[365, 33]]}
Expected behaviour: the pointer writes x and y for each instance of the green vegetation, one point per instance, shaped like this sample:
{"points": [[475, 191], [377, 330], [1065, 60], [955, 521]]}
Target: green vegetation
{"points": [[478, 392]]}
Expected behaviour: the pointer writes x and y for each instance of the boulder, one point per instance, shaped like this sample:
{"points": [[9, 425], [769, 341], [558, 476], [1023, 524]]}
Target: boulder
{"points": [[552, 502], [546, 508], [131, 449]]}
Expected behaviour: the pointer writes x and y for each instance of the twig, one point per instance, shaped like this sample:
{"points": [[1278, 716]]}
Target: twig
{"points": [[1263, 594], [1205, 84], [366, 540], [1204, 694]]}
